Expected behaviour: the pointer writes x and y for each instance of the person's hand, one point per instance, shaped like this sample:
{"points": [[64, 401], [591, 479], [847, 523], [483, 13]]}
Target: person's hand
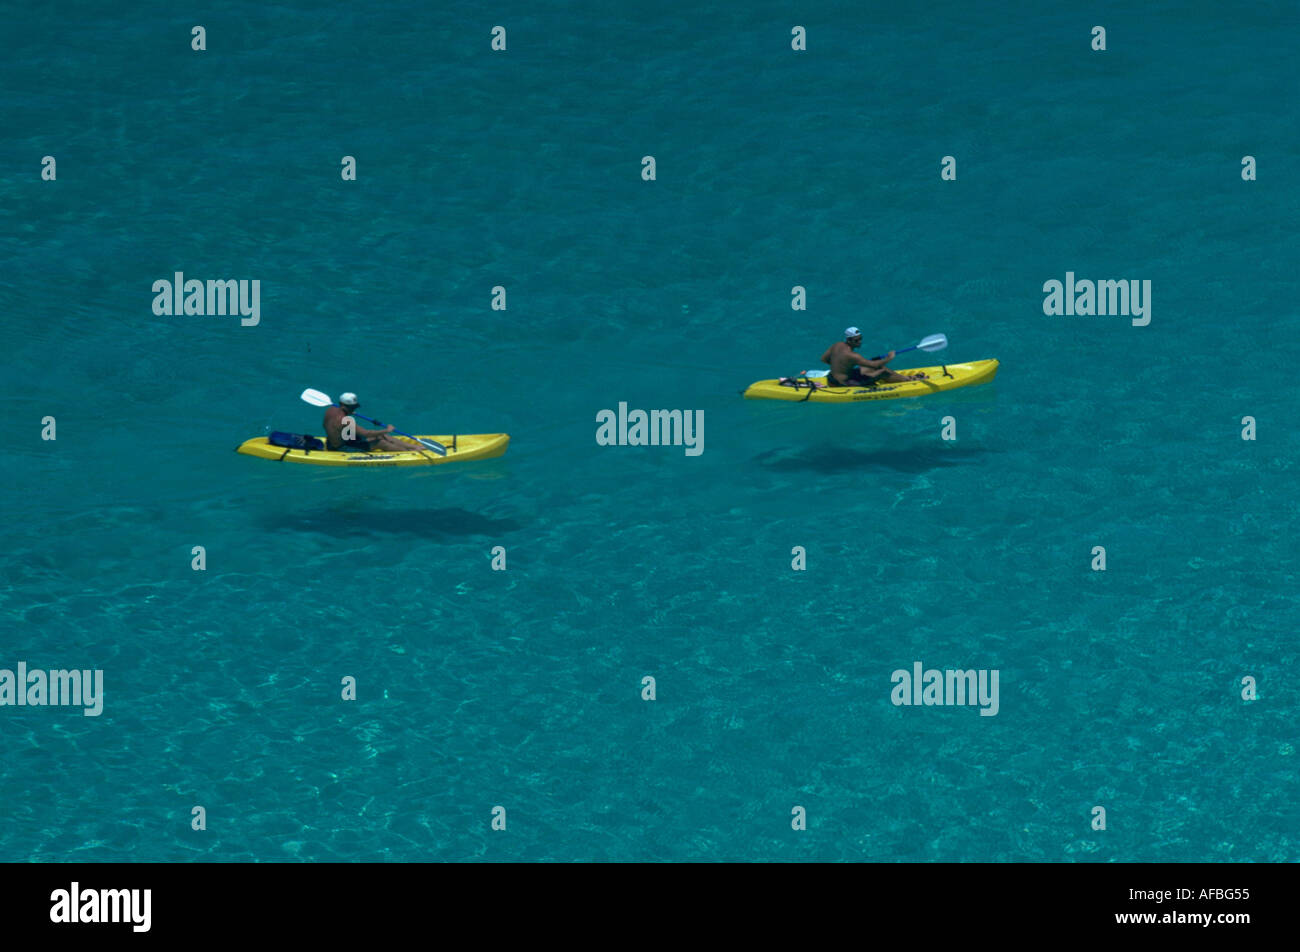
{"points": [[890, 355], [389, 428]]}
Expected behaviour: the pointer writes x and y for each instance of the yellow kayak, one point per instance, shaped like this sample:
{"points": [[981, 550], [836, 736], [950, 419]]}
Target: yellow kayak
{"points": [[810, 386], [459, 448]]}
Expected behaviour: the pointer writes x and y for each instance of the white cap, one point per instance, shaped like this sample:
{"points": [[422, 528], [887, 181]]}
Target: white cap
{"points": [[851, 332], [349, 400]]}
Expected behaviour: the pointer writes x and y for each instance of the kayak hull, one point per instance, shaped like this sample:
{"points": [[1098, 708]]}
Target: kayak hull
{"points": [[469, 446], [948, 377]]}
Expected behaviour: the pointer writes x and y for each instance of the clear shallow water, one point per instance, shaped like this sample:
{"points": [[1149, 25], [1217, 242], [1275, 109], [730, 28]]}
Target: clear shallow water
{"points": [[521, 687]]}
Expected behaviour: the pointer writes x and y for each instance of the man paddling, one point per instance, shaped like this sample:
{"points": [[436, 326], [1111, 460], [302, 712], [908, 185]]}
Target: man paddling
{"points": [[849, 369], [365, 440]]}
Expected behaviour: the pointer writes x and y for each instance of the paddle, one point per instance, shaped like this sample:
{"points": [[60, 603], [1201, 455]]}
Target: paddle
{"points": [[318, 399], [929, 345]]}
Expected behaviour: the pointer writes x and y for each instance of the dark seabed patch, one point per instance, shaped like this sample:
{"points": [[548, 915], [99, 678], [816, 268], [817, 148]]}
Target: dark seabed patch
{"points": [[359, 522], [838, 459]]}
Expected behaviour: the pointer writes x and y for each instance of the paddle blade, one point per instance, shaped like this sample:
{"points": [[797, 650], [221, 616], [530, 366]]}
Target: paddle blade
{"points": [[316, 398], [932, 343]]}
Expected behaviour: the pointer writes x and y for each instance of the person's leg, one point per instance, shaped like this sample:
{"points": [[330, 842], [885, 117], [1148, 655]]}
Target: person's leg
{"points": [[893, 376], [390, 445]]}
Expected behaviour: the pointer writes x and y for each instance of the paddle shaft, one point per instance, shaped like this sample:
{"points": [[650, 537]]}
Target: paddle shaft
{"points": [[881, 356], [915, 346], [929, 345], [398, 432]]}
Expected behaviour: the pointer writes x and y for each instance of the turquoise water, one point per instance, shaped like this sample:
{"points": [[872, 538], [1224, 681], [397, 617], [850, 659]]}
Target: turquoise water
{"points": [[522, 688]]}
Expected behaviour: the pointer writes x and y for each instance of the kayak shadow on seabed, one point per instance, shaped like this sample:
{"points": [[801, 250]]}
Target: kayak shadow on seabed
{"points": [[841, 459], [431, 523]]}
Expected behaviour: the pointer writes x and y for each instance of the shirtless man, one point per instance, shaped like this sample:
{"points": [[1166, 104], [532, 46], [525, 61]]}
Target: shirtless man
{"points": [[849, 369], [365, 440]]}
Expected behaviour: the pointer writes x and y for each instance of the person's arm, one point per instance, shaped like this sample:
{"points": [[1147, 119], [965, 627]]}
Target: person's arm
{"points": [[874, 364], [334, 424], [826, 357]]}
